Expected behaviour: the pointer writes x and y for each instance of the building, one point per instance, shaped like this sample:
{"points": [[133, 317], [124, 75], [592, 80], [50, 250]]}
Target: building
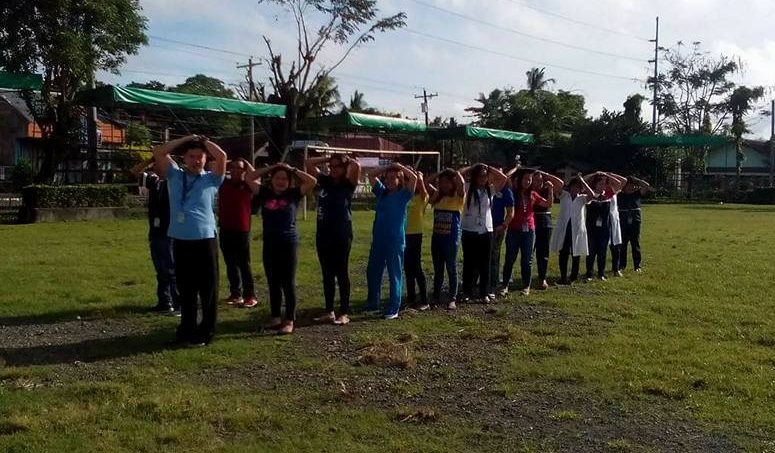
{"points": [[722, 160], [21, 138]]}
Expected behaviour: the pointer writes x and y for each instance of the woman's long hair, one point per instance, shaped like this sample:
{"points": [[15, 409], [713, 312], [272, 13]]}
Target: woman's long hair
{"points": [[450, 175], [473, 192]]}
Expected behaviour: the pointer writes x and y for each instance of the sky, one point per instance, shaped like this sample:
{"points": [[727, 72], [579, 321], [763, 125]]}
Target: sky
{"points": [[460, 48]]}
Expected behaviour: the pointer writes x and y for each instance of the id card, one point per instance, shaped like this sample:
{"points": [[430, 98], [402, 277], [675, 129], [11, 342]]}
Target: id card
{"points": [[156, 222], [525, 228], [181, 218], [599, 222]]}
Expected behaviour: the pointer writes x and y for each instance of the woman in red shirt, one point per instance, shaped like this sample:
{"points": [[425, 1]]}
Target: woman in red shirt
{"points": [[521, 235]]}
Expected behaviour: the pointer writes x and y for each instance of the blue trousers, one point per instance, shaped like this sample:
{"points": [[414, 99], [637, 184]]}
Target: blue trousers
{"points": [[444, 254], [385, 253], [164, 263], [517, 242]]}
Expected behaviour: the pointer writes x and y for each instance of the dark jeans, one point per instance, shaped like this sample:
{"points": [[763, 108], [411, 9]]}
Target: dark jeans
{"points": [[565, 253], [164, 263], [444, 254], [495, 257], [280, 258], [543, 236], [334, 257], [415, 277], [196, 267], [519, 242], [235, 247], [476, 262], [599, 237], [630, 236]]}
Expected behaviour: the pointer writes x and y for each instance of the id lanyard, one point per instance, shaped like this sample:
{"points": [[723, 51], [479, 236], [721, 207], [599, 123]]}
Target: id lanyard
{"points": [[523, 201], [186, 190]]}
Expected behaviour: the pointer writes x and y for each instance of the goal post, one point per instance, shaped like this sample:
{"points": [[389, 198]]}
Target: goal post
{"points": [[369, 152]]}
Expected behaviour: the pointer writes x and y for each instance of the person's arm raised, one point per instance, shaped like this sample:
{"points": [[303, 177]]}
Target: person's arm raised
{"points": [[312, 165], [460, 185], [644, 186], [556, 182], [307, 182], [219, 166], [354, 171], [375, 173], [411, 177], [140, 167], [421, 186], [616, 182], [254, 183], [497, 178], [585, 185], [549, 200], [161, 154]]}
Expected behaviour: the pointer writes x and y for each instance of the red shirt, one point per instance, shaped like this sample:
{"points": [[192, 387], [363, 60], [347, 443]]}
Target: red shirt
{"points": [[234, 201], [523, 211]]}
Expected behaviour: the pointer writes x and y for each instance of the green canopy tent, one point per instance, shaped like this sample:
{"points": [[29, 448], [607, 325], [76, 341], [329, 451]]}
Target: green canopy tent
{"points": [[482, 133], [20, 81], [349, 121], [109, 96]]}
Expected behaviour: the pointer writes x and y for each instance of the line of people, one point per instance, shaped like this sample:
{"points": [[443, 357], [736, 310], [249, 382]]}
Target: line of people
{"points": [[597, 212]]}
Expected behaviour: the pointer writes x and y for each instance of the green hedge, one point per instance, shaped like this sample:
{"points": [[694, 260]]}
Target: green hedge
{"points": [[764, 195], [77, 196]]}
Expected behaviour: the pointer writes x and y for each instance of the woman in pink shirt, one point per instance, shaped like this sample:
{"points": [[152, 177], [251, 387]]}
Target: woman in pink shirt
{"points": [[521, 235]]}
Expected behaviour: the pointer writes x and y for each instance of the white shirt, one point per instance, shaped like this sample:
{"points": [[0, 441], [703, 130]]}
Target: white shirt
{"points": [[573, 211], [477, 216]]}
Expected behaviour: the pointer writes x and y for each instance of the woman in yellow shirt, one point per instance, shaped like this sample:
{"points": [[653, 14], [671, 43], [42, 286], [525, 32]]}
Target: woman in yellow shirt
{"points": [[415, 277]]}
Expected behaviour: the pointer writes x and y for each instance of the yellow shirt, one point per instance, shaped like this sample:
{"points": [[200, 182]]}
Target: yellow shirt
{"points": [[415, 213]]}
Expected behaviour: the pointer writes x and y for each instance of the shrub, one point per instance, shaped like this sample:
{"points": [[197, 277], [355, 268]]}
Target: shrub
{"points": [[22, 175], [763, 195], [77, 196]]}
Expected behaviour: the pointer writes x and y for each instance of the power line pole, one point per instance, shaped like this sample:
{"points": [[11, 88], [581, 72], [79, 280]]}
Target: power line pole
{"points": [[654, 114], [251, 97], [772, 144], [425, 96]]}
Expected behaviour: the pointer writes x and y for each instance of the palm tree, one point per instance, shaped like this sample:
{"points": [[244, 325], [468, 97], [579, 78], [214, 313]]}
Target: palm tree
{"points": [[357, 103], [536, 81]]}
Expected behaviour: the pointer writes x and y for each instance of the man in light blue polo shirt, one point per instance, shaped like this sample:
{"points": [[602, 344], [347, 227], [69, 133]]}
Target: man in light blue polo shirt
{"points": [[192, 193]]}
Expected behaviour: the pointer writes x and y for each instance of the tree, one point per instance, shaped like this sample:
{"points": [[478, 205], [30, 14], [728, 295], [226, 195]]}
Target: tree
{"points": [[137, 134], [322, 99], [740, 103], [536, 80], [343, 23], [207, 123], [150, 85], [68, 41], [693, 90], [357, 103]]}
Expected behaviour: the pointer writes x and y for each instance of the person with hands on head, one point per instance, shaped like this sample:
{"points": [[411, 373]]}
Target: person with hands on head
{"points": [[234, 205], [598, 216], [502, 213], [279, 201], [394, 187], [160, 243], [448, 202], [477, 227], [569, 237], [613, 219], [520, 238], [543, 184], [192, 191], [334, 228], [415, 277], [630, 219]]}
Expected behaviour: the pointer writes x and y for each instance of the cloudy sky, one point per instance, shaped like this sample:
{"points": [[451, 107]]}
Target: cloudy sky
{"points": [[459, 48]]}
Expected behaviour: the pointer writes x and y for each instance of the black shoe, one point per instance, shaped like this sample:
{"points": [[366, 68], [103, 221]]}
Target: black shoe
{"points": [[162, 308]]}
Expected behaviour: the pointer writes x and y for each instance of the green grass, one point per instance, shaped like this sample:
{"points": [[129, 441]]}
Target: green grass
{"points": [[691, 340]]}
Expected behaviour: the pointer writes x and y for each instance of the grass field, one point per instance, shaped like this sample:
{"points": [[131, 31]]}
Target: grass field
{"points": [[680, 358]]}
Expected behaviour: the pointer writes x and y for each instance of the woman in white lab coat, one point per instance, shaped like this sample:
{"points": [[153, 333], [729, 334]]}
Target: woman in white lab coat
{"points": [[570, 233]]}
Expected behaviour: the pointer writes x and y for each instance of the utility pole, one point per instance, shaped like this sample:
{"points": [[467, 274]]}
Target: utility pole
{"points": [[92, 137], [251, 97], [654, 114], [425, 96]]}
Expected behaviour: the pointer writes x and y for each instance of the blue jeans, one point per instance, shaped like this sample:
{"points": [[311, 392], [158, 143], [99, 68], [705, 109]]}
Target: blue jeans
{"points": [[385, 253], [519, 242], [164, 263], [444, 254]]}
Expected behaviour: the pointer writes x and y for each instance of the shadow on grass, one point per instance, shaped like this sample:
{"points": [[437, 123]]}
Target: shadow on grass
{"points": [[73, 314], [731, 208], [92, 350]]}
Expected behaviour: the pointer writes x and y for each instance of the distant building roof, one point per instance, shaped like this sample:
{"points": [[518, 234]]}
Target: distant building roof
{"points": [[16, 101]]}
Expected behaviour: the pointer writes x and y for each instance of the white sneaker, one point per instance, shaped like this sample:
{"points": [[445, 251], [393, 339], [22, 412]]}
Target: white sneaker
{"points": [[504, 291], [391, 316]]}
